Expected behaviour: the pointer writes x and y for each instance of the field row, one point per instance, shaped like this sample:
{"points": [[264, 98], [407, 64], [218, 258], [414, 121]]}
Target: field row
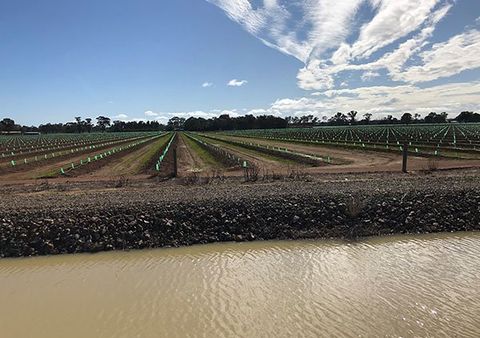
{"points": [[257, 152], [450, 140]]}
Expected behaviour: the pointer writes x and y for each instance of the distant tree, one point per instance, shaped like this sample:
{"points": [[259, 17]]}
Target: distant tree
{"points": [[352, 114], [436, 118], [406, 118], [7, 124], [443, 117], [468, 116], [78, 120], [88, 124], [417, 116], [338, 119], [389, 120], [103, 122], [367, 117], [176, 123]]}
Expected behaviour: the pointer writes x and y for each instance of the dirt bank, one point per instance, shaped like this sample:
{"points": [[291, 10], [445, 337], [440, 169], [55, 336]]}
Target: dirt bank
{"points": [[169, 214]]}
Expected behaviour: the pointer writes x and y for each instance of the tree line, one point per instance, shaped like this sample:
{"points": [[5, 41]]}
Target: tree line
{"points": [[225, 122]]}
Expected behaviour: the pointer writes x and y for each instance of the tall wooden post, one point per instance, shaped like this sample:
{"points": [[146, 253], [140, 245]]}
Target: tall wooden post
{"points": [[405, 157]]}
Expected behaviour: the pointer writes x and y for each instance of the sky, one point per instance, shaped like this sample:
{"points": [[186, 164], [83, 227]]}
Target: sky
{"points": [[155, 59]]}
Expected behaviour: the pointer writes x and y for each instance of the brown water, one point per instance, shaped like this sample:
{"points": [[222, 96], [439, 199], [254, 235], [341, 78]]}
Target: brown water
{"points": [[426, 286]]}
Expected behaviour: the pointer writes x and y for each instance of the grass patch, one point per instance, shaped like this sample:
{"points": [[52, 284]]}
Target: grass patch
{"points": [[204, 154], [154, 150], [250, 152]]}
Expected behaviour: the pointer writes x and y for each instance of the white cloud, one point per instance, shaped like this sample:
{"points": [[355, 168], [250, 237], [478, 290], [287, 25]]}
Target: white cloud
{"points": [[394, 20], [207, 84], [314, 77], [236, 83], [151, 113], [379, 100], [461, 52], [369, 75], [316, 32], [120, 116]]}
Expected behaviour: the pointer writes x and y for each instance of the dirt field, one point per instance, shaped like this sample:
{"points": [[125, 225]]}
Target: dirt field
{"points": [[35, 170], [132, 164], [261, 160], [365, 161], [193, 160]]}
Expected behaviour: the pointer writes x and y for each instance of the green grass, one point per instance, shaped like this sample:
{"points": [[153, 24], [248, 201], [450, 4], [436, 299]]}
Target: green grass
{"points": [[251, 152], [153, 151], [204, 154], [144, 160]]}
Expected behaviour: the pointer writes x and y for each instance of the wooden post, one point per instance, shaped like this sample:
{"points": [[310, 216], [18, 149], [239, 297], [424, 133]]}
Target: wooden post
{"points": [[405, 157]]}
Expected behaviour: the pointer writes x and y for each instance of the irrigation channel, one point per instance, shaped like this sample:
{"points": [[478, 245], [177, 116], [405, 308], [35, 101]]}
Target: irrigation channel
{"points": [[420, 285]]}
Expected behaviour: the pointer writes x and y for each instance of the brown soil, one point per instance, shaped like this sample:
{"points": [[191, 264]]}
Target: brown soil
{"points": [[188, 160], [264, 162], [366, 161], [127, 165], [35, 170]]}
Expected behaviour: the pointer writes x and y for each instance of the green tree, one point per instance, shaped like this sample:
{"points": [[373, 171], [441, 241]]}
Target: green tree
{"points": [[352, 114], [88, 124], [7, 124], [406, 118], [367, 117], [103, 122]]}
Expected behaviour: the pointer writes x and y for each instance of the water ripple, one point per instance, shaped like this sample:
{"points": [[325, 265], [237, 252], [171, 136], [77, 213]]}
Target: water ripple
{"points": [[395, 286]]}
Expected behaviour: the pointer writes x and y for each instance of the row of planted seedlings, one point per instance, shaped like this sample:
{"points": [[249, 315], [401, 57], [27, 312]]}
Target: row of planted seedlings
{"points": [[221, 155], [387, 146], [56, 154], [57, 141], [282, 152], [105, 154], [163, 155], [72, 142]]}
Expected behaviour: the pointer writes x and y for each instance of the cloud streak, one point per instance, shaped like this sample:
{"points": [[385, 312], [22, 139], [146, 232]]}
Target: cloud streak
{"points": [[319, 33], [236, 83]]}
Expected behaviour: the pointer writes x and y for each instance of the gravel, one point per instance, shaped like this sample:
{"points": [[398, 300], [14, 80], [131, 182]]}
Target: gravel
{"points": [[90, 217]]}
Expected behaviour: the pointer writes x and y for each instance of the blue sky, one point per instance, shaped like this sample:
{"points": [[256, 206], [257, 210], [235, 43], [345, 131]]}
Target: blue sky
{"points": [[148, 59]]}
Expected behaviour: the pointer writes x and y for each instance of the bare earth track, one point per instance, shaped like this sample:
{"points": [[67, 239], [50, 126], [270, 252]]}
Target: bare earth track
{"points": [[188, 160], [364, 161], [132, 164]]}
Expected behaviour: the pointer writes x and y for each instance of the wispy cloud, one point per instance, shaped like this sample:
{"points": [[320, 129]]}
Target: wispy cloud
{"points": [[236, 83], [379, 100], [120, 116], [461, 52], [150, 113], [319, 33], [207, 84], [369, 75]]}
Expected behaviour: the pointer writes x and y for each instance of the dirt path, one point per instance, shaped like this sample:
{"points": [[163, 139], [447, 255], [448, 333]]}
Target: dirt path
{"points": [[364, 161], [44, 169], [262, 161], [129, 165], [188, 160]]}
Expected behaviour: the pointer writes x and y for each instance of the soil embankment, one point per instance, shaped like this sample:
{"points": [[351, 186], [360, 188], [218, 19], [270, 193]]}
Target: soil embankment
{"points": [[167, 214]]}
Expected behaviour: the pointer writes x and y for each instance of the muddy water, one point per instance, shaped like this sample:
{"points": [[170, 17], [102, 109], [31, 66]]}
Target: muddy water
{"points": [[397, 286]]}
